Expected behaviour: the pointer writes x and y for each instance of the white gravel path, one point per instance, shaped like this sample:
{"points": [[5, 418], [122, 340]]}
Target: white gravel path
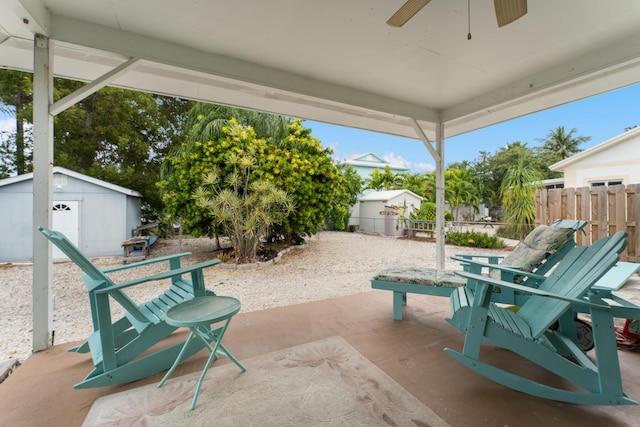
{"points": [[332, 264]]}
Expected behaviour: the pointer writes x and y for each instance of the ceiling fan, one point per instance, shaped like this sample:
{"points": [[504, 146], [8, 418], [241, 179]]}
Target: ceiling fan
{"points": [[507, 11]]}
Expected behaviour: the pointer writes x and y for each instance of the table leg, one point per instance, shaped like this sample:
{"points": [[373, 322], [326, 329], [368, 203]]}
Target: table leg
{"points": [[208, 336], [178, 360]]}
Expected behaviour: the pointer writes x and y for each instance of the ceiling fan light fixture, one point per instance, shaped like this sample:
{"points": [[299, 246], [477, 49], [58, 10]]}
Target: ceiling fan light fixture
{"points": [[406, 12], [508, 11]]}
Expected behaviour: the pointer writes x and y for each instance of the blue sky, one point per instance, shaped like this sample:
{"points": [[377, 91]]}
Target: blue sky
{"points": [[601, 117]]}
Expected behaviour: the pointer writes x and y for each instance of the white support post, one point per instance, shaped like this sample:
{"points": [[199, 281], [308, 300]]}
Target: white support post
{"points": [[440, 196], [42, 192], [438, 156]]}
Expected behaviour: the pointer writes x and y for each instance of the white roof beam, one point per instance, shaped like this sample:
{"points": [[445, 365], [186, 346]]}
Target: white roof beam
{"points": [[92, 87], [425, 140], [281, 82]]}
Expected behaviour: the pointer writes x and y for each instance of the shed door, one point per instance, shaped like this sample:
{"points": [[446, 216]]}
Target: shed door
{"points": [[66, 219]]}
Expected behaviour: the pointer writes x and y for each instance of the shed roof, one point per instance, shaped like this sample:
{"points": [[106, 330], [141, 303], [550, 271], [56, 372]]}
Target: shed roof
{"points": [[561, 165], [73, 174], [385, 196]]}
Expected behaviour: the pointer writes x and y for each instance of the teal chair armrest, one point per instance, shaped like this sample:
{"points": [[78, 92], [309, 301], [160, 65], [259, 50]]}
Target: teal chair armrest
{"points": [[160, 276], [146, 262]]}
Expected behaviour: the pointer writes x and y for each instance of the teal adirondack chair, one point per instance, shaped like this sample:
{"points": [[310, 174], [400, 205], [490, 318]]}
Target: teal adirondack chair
{"points": [[540, 251], [528, 334], [115, 346]]}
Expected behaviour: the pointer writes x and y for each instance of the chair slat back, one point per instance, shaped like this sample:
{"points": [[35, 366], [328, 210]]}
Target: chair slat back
{"points": [[98, 278], [573, 277], [93, 277]]}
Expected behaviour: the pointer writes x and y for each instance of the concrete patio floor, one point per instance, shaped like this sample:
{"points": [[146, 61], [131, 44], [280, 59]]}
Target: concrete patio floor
{"points": [[40, 393]]}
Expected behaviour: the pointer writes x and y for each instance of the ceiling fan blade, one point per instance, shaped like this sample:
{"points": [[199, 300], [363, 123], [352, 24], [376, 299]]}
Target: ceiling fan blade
{"points": [[406, 12], [508, 11]]}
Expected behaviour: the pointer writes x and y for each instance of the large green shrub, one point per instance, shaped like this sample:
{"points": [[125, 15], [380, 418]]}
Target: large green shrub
{"points": [[297, 164], [244, 205]]}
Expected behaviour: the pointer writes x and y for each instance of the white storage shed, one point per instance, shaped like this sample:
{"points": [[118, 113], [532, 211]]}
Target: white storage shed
{"points": [[378, 215], [94, 214]]}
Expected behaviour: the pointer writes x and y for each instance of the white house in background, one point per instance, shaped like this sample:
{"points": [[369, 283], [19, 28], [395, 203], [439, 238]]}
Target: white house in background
{"points": [[366, 163], [96, 215], [616, 161], [373, 212]]}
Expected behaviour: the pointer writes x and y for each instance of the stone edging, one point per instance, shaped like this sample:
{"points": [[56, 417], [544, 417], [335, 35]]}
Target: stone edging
{"points": [[275, 260]]}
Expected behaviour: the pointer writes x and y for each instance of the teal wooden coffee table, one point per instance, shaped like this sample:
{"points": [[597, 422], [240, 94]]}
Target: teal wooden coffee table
{"points": [[198, 315]]}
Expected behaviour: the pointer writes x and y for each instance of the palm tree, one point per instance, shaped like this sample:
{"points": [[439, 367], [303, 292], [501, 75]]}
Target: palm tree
{"points": [[461, 189], [385, 180], [518, 192], [429, 187], [374, 182], [413, 182], [206, 121], [563, 144], [390, 179]]}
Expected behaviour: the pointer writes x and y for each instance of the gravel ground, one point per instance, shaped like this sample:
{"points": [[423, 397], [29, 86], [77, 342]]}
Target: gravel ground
{"points": [[332, 264]]}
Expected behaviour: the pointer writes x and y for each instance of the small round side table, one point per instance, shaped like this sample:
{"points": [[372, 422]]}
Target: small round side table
{"points": [[198, 315]]}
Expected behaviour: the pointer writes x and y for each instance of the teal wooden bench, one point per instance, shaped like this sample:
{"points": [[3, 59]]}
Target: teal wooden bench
{"points": [[542, 249], [527, 332], [117, 347]]}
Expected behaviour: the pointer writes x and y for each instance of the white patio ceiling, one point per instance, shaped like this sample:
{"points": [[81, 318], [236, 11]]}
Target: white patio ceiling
{"points": [[337, 61], [334, 61]]}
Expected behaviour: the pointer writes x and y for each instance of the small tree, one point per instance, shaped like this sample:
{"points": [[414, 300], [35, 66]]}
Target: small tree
{"points": [[245, 206], [348, 187], [518, 192], [461, 189]]}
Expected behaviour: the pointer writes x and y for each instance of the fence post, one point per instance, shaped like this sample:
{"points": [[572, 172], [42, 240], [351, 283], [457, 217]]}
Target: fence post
{"points": [[615, 205], [541, 208], [568, 210], [555, 210], [582, 213], [633, 231]]}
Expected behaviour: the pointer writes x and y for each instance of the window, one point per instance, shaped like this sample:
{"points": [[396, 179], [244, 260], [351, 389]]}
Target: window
{"points": [[61, 207], [606, 183]]}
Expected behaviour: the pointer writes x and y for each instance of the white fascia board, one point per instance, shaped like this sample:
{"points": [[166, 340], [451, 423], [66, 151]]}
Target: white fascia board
{"points": [[96, 181]]}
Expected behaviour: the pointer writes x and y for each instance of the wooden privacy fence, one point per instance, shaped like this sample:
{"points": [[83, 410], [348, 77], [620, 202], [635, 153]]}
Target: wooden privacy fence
{"points": [[607, 209]]}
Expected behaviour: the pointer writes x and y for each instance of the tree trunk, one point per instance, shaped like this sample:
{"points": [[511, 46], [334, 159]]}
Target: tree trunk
{"points": [[20, 158]]}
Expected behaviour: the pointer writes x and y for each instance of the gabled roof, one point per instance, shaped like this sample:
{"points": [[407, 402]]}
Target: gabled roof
{"points": [[561, 165], [372, 160], [73, 174], [369, 157], [385, 196]]}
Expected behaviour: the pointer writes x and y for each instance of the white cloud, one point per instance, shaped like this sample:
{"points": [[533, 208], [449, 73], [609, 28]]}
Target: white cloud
{"points": [[414, 167], [395, 160], [421, 167], [7, 124]]}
